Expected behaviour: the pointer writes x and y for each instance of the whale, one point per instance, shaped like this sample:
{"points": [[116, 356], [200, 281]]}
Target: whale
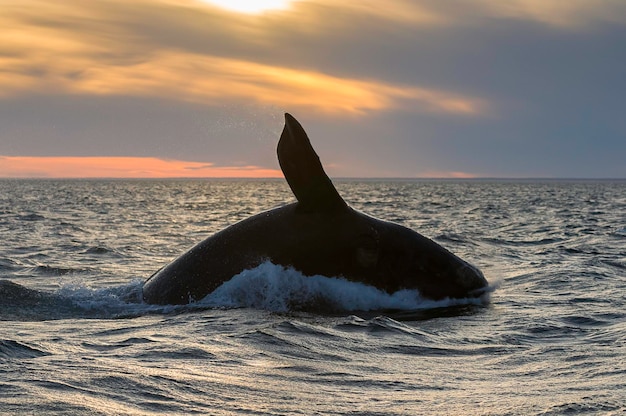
{"points": [[318, 234]]}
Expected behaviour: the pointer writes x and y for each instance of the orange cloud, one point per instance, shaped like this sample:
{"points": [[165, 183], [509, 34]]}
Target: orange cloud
{"points": [[213, 80], [59, 55], [210, 79], [123, 167], [444, 174]]}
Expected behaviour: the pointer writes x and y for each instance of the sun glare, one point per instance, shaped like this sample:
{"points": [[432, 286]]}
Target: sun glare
{"points": [[250, 6]]}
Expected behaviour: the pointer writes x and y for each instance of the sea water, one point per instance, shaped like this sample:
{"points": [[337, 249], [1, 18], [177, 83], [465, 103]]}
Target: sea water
{"points": [[76, 338]]}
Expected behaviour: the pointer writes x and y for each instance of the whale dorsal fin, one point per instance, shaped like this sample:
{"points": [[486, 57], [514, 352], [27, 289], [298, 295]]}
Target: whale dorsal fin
{"points": [[303, 170]]}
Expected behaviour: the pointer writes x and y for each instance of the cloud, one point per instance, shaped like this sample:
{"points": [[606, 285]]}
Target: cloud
{"points": [[123, 167], [564, 14], [214, 80], [410, 12], [570, 14], [57, 55], [515, 87], [448, 174]]}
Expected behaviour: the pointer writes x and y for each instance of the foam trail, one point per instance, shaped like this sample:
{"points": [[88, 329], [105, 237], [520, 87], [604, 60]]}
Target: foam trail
{"points": [[269, 287], [110, 302]]}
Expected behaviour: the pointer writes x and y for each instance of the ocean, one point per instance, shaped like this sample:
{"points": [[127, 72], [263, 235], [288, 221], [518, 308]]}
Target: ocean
{"points": [[76, 338]]}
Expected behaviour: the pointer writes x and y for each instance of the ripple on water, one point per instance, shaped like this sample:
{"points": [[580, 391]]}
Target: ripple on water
{"points": [[550, 342], [11, 349]]}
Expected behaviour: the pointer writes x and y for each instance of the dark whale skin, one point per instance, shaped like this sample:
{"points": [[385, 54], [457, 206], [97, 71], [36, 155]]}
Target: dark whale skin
{"points": [[318, 235]]}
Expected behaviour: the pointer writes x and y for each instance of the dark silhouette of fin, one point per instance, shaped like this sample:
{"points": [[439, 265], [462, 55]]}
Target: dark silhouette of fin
{"points": [[303, 170]]}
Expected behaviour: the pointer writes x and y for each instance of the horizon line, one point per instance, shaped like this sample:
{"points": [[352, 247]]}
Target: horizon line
{"points": [[274, 178]]}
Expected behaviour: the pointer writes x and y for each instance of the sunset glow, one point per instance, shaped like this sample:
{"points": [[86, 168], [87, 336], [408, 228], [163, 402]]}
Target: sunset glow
{"points": [[250, 6], [414, 88], [148, 167], [213, 80], [449, 175], [123, 167], [55, 60]]}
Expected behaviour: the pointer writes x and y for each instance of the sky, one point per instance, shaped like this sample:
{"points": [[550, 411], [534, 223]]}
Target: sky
{"points": [[401, 88]]}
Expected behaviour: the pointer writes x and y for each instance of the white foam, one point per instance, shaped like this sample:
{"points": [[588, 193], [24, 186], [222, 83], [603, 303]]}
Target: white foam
{"points": [[114, 301], [91, 298], [276, 288], [269, 287]]}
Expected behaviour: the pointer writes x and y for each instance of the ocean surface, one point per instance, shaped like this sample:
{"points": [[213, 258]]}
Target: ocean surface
{"points": [[75, 337]]}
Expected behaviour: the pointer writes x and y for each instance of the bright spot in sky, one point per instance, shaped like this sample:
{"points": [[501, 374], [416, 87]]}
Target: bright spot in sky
{"points": [[250, 6]]}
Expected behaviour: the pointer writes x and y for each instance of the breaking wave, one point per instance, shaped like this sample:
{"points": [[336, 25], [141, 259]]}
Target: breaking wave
{"points": [[276, 288], [268, 287]]}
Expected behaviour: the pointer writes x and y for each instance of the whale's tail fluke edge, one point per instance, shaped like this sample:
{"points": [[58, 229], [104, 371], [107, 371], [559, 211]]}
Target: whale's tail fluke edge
{"points": [[303, 170]]}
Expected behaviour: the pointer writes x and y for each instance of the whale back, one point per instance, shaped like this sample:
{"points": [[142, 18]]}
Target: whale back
{"points": [[304, 172], [318, 235]]}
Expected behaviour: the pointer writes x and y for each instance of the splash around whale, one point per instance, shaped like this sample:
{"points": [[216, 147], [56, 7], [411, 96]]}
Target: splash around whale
{"points": [[320, 234]]}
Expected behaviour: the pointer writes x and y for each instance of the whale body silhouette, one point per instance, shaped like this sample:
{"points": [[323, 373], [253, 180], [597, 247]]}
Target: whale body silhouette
{"points": [[317, 235]]}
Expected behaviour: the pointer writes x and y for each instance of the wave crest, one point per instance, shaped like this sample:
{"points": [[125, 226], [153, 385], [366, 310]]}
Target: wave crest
{"points": [[276, 288]]}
